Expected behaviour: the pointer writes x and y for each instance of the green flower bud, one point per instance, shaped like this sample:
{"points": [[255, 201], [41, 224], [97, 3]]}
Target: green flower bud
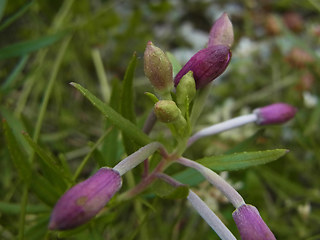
{"points": [[167, 111], [158, 68], [185, 91]]}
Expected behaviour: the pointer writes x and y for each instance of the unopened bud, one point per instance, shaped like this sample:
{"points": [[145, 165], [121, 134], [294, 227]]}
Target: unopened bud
{"points": [[158, 68], [250, 224], [221, 32], [84, 200], [206, 65], [186, 90], [167, 111], [276, 113]]}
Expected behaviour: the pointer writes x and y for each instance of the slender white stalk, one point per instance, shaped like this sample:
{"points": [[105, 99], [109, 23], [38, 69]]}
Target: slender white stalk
{"points": [[210, 217], [201, 207], [223, 126], [233, 196], [137, 157]]}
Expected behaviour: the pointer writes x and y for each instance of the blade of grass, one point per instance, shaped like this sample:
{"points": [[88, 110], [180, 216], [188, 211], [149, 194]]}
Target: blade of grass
{"points": [[127, 103], [15, 16], [56, 171], [39, 122], [25, 47], [87, 157], [59, 19], [102, 76], [3, 4], [7, 84], [112, 148], [51, 81], [18, 157], [14, 208]]}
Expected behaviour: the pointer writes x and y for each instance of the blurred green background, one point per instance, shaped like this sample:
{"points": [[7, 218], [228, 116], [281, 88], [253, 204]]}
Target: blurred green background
{"points": [[44, 45]]}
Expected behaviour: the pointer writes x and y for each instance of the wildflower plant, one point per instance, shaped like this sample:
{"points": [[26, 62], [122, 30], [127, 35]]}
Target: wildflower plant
{"points": [[178, 102]]}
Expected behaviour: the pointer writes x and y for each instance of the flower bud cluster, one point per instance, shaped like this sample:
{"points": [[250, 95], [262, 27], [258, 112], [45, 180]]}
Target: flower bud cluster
{"points": [[84, 200], [211, 62], [200, 70]]}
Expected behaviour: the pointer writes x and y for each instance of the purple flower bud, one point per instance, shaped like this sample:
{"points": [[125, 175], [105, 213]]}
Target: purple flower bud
{"points": [[250, 224], [221, 32], [206, 65], [276, 113], [84, 200]]}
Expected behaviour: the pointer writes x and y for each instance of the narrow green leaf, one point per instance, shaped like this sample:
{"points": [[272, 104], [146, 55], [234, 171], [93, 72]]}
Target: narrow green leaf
{"points": [[277, 181], [241, 160], [127, 98], [127, 103], [57, 172], [229, 162], [16, 15], [115, 118], [17, 127], [189, 176], [9, 82], [3, 4], [39, 185], [111, 149], [167, 191], [18, 157], [44, 190], [15, 208], [23, 48]]}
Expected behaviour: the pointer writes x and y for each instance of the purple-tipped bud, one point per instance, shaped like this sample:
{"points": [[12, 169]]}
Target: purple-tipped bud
{"points": [[221, 32], [158, 68], [84, 200], [206, 65], [276, 113], [250, 224]]}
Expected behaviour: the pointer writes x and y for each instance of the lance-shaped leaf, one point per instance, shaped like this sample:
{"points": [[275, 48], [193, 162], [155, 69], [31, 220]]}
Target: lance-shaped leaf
{"points": [[115, 118], [230, 162]]}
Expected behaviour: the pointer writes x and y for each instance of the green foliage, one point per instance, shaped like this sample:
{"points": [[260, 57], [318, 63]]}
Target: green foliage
{"points": [[167, 191], [127, 103], [26, 47], [117, 120], [52, 137], [230, 162]]}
